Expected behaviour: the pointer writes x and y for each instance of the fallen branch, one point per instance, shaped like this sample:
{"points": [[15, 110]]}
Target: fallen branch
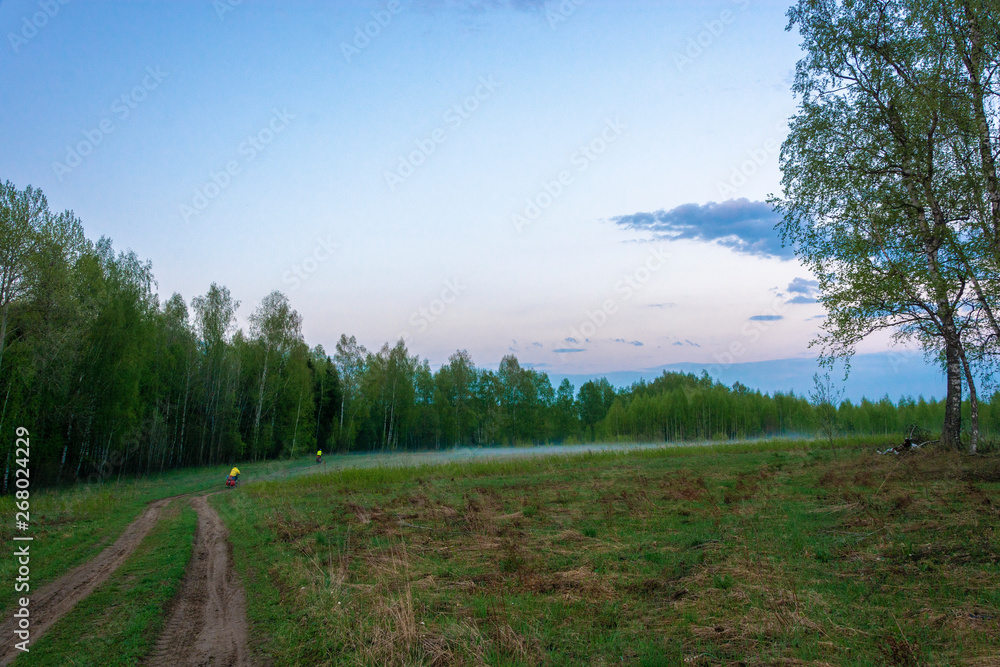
{"points": [[907, 446]]}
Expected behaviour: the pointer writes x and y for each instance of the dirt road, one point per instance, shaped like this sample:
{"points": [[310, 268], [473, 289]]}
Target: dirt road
{"points": [[207, 624], [55, 600]]}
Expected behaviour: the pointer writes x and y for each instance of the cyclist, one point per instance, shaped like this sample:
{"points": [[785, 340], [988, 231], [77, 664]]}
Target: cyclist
{"points": [[234, 477], [319, 456]]}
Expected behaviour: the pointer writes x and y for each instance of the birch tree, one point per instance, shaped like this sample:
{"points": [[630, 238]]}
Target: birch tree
{"points": [[888, 176]]}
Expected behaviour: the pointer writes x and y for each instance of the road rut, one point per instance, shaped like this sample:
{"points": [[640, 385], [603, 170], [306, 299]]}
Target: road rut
{"points": [[207, 624], [55, 600]]}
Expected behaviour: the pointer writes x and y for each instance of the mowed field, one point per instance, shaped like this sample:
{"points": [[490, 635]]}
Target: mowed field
{"points": [[765, 553]]}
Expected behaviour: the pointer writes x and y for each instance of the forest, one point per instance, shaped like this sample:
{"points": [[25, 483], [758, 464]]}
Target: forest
{"points": [[112, 381]]}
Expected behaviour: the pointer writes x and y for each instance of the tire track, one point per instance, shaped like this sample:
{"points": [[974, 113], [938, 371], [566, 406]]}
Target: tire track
{"points": [[207, 623], [56, 599]]}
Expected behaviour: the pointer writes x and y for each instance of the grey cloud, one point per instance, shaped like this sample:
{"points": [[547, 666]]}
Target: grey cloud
{"points": [[743, 225], [636, 343], [807, 290], [767, 318], [567, 350], [803, 286]]}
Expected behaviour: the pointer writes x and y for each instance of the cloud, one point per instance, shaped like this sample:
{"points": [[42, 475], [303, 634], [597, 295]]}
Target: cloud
{"points": [[767, 318], [567, 350], [637, 343], [807, 290], [803, 286], [475, 16], [571, 340], [690, 343], [743, 225], [666, 304]]}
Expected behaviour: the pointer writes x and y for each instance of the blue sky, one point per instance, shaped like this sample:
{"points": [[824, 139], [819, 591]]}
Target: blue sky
{"points": [[580, 182]]}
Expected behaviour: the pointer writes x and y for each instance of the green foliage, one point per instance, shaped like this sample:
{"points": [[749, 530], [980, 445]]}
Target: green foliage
{"points": [[890, 187], [678, 407]]}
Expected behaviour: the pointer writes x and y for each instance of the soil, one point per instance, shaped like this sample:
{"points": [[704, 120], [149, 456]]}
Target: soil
{"points": [[207, 622]]}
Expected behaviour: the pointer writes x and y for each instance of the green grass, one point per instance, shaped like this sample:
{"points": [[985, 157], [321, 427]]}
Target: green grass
{"points": [[773, 552], [119, 622], [770, 551], [71, 525]]}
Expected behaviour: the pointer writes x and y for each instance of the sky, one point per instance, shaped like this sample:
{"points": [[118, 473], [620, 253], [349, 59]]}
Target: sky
{"points": [[579, 182]]}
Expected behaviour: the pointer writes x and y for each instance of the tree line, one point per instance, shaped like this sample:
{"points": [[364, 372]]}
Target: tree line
{"points": [[111, 381], [678, 407]]}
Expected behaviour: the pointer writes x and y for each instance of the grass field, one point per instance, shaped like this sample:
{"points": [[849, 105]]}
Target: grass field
{"points": [[765, 553], [770, 553]]}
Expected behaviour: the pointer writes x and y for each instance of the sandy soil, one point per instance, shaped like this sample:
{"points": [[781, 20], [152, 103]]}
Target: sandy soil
{"points": [[56, 599], [207, 622]]}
